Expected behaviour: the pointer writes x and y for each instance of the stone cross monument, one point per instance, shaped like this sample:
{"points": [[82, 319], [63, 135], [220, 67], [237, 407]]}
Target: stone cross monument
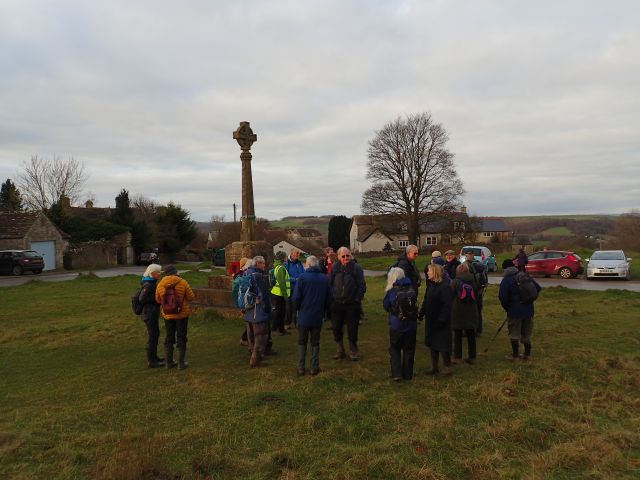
{"points": [[245, 138]]}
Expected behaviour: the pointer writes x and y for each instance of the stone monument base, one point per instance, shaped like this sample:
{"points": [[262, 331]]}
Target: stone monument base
{"points": [[217, 295]]}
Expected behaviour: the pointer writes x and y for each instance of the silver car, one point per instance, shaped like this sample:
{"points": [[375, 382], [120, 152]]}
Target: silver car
{"points": [[608, 263]]}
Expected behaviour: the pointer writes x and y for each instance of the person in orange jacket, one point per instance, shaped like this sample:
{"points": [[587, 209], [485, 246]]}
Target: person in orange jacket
{"points": [[174, 293]]}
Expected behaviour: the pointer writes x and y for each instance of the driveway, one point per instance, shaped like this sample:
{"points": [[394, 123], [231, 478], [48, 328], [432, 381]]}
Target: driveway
{"points": [[574, 283]]}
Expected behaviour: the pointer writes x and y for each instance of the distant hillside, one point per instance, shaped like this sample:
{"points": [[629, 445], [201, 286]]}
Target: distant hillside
{"points": [[562, 225], [319, 223]]}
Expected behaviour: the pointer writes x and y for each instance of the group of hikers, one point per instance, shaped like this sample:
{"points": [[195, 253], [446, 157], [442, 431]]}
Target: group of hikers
{"points": [[303, 296]]}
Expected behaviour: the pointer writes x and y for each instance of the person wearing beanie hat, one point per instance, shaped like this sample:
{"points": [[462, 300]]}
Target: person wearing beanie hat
{"points": [[174, 294], [519, 314], [280, 291], [151, 313], [435, 254]]}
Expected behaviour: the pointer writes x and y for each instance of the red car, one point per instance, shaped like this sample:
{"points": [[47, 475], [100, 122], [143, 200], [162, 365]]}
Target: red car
{"points": [[555, 262]]}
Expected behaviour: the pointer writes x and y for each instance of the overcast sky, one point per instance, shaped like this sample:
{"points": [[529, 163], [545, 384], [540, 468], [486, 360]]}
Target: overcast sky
{"points": [[540, 99]]}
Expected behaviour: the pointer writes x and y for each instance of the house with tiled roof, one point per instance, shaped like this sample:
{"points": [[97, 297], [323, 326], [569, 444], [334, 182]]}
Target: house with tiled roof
{"points": [[372, 233], [33, 231]]}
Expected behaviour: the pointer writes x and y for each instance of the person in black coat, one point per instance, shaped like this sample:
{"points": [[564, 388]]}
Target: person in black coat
{"points": [[348, 288], [407, 262], [452, 263], [151, 313], [437, 311]]}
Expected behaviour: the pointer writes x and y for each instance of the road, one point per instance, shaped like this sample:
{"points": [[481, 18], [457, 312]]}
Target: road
{"points": [[574, 283]]}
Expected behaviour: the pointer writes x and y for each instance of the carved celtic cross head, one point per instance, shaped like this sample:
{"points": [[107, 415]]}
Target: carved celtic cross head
{"points": [[245, 136]]}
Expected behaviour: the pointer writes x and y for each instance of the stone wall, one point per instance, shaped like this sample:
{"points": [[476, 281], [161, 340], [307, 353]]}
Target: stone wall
{"points": [[13, 244], [94, 254]]}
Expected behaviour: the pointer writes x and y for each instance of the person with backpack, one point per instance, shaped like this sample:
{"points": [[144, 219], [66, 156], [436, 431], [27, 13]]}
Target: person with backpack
{"points": [[348, 288], [243, 264], [401, 302], [517, 293], [295, 268], [312, 299], [464, 313], [481, 280], [437, 311], [174, 293], [151, 313], [256, 307], [280, 291]]}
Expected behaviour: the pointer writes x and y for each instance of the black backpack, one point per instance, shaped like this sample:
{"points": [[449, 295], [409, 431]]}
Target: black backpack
{"points": [[466, 293], [528, 290], [136, 305], [480, 276], [405, 305]]}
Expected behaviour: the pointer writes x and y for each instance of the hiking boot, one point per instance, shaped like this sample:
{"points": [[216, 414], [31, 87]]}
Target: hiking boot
{"points": [[354, 356], [169, 354], [397, 379], [301, 372], [446, 371], [315, 372], [339, 355], [244, 343], [470, 361], [511, 358], [254, 361], [183, 365]]}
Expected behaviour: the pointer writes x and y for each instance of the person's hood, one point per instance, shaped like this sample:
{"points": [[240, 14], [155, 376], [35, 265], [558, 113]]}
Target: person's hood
{"points": [[148, 279], [465, 277], [314, 269], [276, 262], [404, 281], [292, 260], [510, 271], [403, 257], [251, 270]]}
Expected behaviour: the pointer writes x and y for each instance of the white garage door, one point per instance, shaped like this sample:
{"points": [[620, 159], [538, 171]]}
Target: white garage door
{"points": [[48, 252]]}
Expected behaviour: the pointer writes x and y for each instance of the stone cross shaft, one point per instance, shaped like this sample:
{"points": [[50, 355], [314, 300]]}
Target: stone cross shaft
{"points": [[245, 138]]}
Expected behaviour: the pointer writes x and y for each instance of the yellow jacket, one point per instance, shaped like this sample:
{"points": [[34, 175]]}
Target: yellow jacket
{"points": [[183, 291]]}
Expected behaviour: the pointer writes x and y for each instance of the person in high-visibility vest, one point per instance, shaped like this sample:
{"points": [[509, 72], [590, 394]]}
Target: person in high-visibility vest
{"points": [[280, 292]]}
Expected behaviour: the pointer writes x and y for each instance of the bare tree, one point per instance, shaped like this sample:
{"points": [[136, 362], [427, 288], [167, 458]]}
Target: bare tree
{"points": [[412, 172], [42, 182]]}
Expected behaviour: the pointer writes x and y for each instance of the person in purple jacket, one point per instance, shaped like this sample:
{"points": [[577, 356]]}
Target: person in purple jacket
{"points": [[402, 333]]}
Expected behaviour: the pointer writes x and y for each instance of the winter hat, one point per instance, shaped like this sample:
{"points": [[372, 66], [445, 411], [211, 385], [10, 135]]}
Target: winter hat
{"points": [[281, 256], [170, 270], [507, 263], [449, 252], [438, 261], [436, 253], [243, 263]]}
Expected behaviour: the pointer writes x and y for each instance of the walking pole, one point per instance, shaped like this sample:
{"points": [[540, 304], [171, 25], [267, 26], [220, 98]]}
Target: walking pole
{"points": [[494, 337]]}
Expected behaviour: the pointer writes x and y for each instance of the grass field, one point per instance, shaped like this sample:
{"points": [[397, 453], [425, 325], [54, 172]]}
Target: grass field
{"points": [[78, 402]]}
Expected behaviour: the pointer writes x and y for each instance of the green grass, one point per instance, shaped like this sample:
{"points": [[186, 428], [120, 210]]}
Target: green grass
{"points": [[557, 231], [77, 401]]}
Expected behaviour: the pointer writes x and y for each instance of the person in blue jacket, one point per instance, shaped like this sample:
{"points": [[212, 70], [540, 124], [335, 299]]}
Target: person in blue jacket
{"points": [[312, 300], [257, 318], [295, 268], [402, 334], [519, 314]]}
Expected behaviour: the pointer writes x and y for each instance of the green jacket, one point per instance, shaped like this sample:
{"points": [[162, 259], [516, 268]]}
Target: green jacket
{"points": [[282, 287]]}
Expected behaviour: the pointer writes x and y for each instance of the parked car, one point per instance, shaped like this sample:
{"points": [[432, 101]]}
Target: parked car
{"points": [[17, 262], [147, 258], [482, 255], [608, 263], [555, 262]]}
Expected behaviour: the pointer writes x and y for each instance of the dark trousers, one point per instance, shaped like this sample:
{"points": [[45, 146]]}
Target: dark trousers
{"points": [[305, 332], [178, 327], [402, 349], [153, 333], [279, 312], [346, 314], [457, 343], [291, 317]]}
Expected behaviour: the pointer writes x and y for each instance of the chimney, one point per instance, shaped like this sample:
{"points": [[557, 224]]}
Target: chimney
{"points": [[463, 210]]}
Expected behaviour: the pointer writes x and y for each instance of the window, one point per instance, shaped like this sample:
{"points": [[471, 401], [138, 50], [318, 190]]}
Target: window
{"points": [[458, 226], [488, 234], [404, 243], [431, 240]]}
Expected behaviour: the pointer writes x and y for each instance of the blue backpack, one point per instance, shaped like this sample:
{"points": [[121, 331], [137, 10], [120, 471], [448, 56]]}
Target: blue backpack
{"points": [[248, 293]]}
